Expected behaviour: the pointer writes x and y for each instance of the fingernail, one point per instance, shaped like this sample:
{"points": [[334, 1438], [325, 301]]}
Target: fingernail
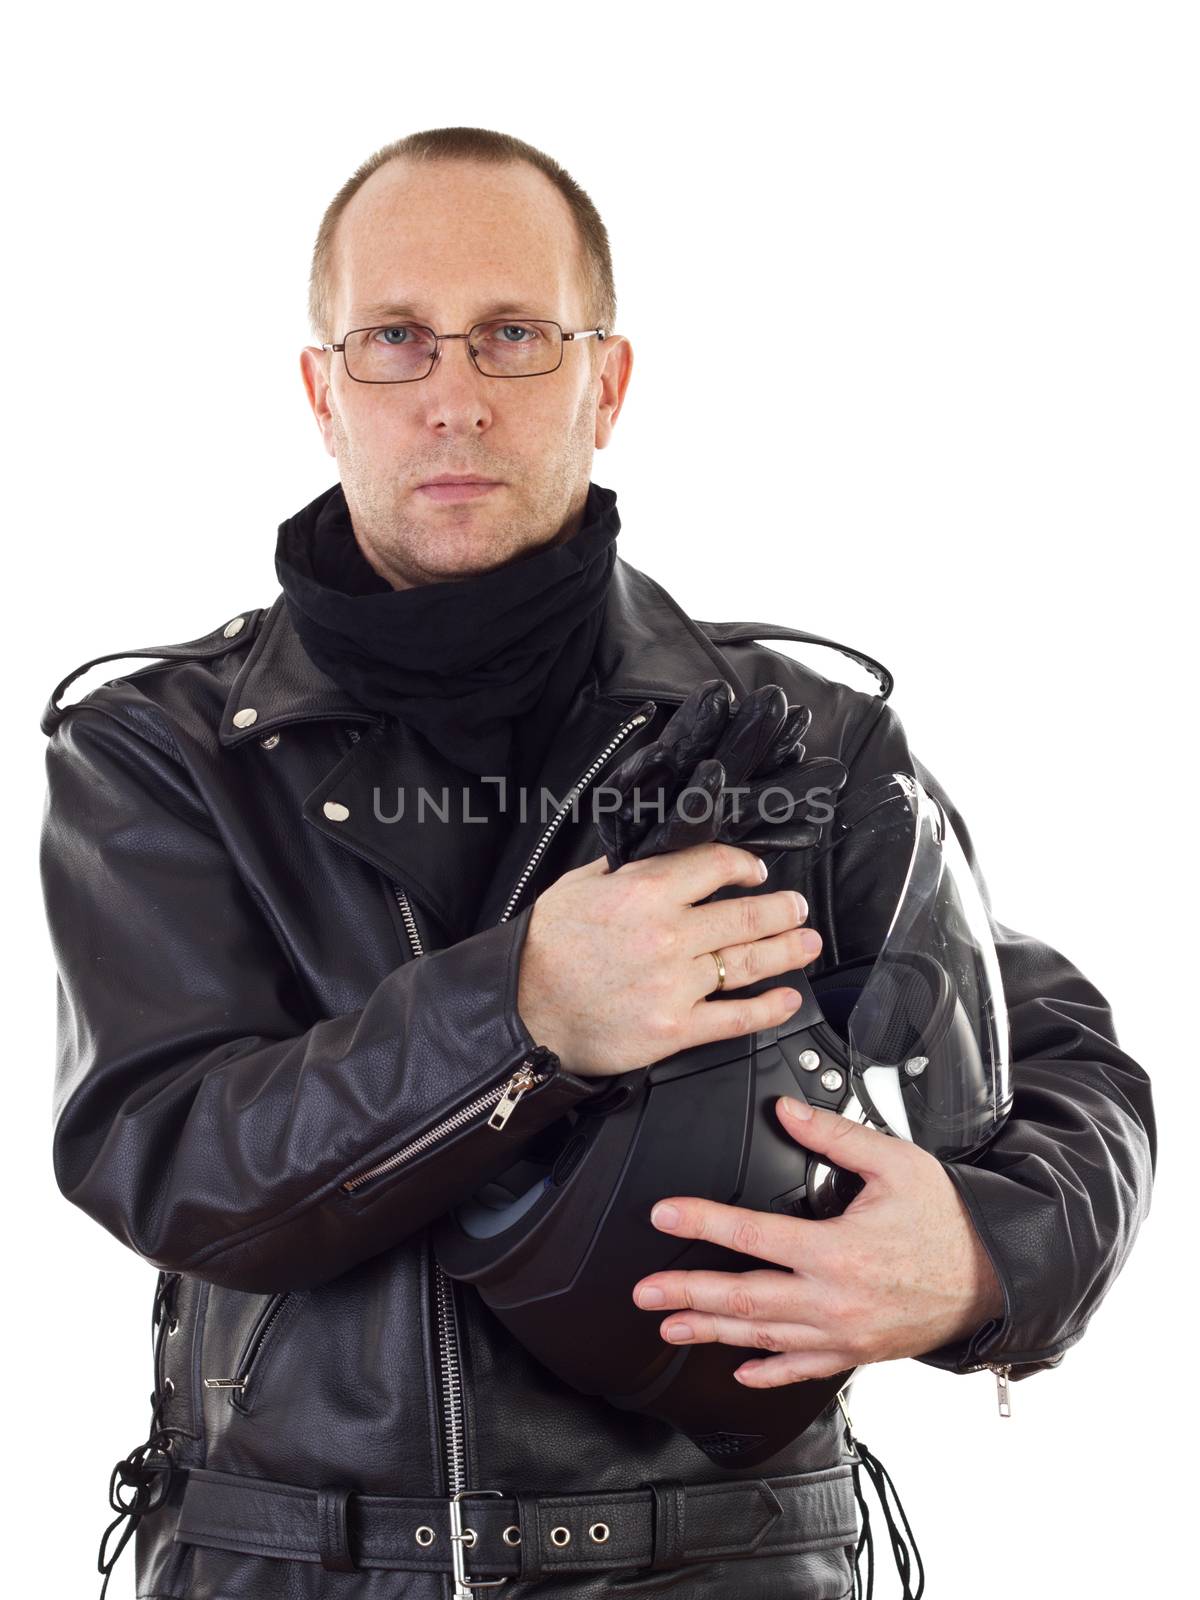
{"points": [[810, 941], [651, 1297], [801, 908], [797, 1108], [664, 1216], [762, 869], [679, 1333]]}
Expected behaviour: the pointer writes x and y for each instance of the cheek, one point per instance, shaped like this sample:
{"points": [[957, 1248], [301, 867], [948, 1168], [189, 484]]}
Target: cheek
{"points": [[371, 431]]}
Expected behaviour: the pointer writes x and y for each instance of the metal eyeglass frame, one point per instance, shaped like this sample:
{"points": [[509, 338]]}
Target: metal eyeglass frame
{"points": [[579, 333]]}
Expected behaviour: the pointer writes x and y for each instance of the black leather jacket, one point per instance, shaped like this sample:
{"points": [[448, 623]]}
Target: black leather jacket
{"points": [[259, 1008]]}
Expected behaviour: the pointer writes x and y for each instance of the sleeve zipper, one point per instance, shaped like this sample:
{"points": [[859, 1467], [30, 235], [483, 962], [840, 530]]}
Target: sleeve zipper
{"points": [[1002, 1370], [539, 1065]]}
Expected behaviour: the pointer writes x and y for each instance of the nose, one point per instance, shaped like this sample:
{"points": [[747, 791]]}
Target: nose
{"points": [[455, 394]]}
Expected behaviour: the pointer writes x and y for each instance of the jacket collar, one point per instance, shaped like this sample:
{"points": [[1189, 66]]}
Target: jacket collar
{"points": [[648, 648]]}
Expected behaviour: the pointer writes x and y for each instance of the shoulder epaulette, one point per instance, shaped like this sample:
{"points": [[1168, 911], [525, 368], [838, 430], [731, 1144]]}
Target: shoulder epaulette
{"points": [[743, 632], [226, 636]]}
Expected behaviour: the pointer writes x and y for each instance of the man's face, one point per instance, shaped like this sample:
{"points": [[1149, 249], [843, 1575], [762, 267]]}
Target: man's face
{"points": [[450, 241]]}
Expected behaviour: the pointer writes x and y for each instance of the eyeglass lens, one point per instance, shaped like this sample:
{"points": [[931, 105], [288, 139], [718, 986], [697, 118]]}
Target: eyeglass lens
{"points": [[404, 351]]}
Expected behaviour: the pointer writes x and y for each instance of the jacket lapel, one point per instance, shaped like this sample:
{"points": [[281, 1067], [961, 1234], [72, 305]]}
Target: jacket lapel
{"points": [[648, 649]]}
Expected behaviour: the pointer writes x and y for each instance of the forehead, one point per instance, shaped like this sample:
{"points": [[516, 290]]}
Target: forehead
{"points": [[456, 239]]}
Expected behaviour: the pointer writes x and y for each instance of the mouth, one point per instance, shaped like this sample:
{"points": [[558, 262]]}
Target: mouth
{"points": [[458, 486]]}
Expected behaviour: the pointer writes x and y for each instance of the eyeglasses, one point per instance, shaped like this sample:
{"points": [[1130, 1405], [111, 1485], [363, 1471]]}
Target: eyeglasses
{"points": [[405, 352]]}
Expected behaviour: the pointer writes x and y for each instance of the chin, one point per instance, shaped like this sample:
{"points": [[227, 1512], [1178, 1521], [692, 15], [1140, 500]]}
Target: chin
{"points": [[467, 560]]}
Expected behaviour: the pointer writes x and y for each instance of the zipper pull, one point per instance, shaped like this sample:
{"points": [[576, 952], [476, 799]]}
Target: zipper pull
{"points": [[841, 1400], [522, 1080], [1002, 1399]]}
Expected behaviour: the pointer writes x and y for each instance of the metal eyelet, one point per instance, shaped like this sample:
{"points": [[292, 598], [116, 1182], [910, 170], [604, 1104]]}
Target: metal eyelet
{"points": [[560, 1536], [168, 1388], [468, 1537], [513, 1529], [598, 1532], [269, 743], [173, 1329], [425, 1537]]}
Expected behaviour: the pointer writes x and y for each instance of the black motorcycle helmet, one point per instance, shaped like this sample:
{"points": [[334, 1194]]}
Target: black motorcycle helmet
{"points": [[907, 1032]]}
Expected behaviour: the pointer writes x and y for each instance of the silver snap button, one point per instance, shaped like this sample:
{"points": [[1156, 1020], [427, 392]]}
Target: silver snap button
{"points": [[270, 741], [915, 1065], [809, 1060], [511, 1534], [245, 718], [425, 1537], [598, 1532], [560, 1536], [232, 629], [831, 1080], [335, 810]]}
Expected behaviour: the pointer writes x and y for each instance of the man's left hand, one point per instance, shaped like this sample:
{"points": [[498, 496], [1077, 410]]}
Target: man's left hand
{"points": [[901, 1271]]}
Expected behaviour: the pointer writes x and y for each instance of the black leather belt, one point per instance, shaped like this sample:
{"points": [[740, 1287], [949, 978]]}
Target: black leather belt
{"points": [[491, 1534]]}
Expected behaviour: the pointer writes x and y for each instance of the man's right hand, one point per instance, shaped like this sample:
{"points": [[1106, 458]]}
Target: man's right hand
{"points": [[616, 965]]}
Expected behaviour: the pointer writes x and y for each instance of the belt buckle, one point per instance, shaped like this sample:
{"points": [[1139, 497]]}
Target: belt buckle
{"points": [[459, 1537]]}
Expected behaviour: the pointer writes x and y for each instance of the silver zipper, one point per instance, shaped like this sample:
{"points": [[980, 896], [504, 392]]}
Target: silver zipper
{"points": [[1002, 1370], [447, 1316], [556, 820], [452, 1396], [410, 922], [504, 1096], [251, 1352]]}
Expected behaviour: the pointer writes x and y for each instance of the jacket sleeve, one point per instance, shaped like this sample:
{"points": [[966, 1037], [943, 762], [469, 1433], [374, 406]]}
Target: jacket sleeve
{"points": [[201, 1114], [1059, 1195]]}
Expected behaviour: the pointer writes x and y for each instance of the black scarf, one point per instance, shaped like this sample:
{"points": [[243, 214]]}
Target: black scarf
{"points": [[485, 666]]}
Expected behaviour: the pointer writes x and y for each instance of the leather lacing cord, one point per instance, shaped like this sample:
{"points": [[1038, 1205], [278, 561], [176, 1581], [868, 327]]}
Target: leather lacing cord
{"points": [[148, 1467], [878, 1475]]}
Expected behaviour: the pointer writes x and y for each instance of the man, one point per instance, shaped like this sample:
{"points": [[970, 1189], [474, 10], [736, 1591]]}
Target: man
{"points": [[290, 1008]]}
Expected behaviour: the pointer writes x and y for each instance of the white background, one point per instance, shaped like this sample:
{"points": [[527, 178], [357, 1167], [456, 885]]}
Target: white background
{"points": [[951, 254]]}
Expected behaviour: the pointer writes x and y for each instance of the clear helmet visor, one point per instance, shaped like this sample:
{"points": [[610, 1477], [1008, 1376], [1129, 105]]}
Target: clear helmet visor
{"points": [[925, 1020]]}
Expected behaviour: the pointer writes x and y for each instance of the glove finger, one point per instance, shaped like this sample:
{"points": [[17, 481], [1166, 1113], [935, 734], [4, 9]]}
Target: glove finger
{"points": [[782, 798], [823, 774], [785, 836], [606, 828], [695, 728], [695, 820], [771, 792], [752, 731], [648, 765], [789, 745]]}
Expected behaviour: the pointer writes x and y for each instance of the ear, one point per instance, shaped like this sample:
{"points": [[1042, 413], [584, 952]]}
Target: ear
{"points": [[613, 377], [314, 370]]}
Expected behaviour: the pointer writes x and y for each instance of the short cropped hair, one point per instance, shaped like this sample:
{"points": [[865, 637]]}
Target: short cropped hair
{"points": [[470, 144]]}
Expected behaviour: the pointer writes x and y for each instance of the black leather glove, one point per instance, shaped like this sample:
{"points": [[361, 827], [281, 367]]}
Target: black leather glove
{"points": [[744, 772]]}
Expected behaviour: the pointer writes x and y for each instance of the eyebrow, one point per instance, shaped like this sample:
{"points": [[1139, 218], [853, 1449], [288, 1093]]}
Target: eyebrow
{"points": [[500, 308]]}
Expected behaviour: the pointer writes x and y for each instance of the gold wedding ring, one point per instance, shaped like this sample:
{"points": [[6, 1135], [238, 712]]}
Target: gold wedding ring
{"points": [[720, 970]]}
